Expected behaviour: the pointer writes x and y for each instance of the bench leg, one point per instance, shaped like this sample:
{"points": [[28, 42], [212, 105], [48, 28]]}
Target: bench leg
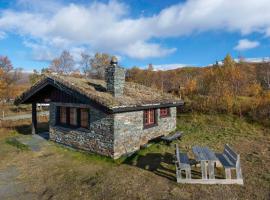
{"points": [[188, 173], [238, 173], [211, 168], [204, 170], [228, 173]]}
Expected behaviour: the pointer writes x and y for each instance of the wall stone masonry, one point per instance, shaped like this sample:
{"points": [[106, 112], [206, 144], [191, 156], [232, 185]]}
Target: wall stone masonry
{"points": [[115, 79], [98, 138], [111, 135], [130, 135]]}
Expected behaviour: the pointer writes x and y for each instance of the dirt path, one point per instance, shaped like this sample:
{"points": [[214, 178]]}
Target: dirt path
{"points": [[10, 185], [25, 116]]}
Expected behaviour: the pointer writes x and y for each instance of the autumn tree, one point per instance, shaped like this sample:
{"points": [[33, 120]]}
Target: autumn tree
{"points": [[190, 87], [8, 77], [98, 65], [264, 74], [65, 64], [85, 63]]}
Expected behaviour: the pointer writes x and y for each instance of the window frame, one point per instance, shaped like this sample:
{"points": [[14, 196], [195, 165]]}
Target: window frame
{"points": [[59, 121], [76, 117], [162, 115], [68, 117], [88, 118], [147, 116]]}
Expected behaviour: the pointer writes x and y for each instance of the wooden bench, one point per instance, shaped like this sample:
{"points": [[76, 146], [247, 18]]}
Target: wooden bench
{"points": [[230, 161], [169, 138], [182, 164]]}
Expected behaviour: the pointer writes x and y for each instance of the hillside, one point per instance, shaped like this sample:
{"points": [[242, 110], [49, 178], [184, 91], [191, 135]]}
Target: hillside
{"points": [[169, 80]]}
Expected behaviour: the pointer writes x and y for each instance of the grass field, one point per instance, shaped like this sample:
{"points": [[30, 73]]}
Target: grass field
{"points": [[52, 171]]}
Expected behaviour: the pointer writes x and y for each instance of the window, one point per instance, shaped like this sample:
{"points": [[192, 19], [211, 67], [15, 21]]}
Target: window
{"points": [[149, 117], [164, 112], [63, 115], [73, 117], [84, 118]]}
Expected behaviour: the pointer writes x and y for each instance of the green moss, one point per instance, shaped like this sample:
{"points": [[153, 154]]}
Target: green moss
{"points": [[14, 142], [82, 155]]}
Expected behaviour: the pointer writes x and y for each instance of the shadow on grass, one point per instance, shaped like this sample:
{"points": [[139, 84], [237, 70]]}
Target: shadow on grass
{"points": [[25, 129], [160, 164]]}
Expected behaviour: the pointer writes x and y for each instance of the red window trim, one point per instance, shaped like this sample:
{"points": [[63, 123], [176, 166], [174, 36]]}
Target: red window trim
{"points": [[149, 118], [164, 112]]}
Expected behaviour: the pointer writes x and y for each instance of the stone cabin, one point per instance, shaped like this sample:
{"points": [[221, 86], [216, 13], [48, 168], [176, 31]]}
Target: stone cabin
{"points": [[111, 117]]}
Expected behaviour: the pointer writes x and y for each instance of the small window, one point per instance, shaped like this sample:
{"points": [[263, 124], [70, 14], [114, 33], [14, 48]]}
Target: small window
{"points": [[63, 115], [84, 118], [73, 117], [164, 112], [149, 117]]}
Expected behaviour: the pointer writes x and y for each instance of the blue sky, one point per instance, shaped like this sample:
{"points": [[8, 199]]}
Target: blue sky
{"points": [[167, 34]]}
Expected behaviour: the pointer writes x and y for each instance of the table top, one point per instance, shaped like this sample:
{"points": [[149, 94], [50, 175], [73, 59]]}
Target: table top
{"points": [[204, 154]]}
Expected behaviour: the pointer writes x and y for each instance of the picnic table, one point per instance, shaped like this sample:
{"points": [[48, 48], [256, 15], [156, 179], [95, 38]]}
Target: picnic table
{"points": [[205, 156], [229, 159]]}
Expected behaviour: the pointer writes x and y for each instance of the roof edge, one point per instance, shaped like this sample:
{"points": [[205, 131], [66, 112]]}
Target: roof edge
{"points": [[144, 107]]}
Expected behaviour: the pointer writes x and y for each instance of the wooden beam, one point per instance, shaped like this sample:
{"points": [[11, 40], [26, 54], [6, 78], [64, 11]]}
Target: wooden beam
{"points": [[34, 118], [211, 181]]}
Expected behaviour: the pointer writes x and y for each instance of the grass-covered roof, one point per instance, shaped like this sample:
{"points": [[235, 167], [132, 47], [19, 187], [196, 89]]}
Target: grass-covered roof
{"points": [[135, 95]]}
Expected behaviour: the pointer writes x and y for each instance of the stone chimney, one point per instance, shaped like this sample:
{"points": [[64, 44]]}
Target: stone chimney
{"points": [[115, 78]]}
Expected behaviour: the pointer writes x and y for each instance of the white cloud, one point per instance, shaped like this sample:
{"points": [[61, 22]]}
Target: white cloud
{"points": [[3, 35], [141, 50], [108, 27], [246, 44]]}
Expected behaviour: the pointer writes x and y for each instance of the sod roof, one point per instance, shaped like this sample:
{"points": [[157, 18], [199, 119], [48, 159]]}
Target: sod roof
{"points": [[135, 95]]}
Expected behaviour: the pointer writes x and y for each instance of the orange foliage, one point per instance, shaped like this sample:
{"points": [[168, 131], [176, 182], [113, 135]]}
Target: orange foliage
{"points": [[190, 87], [254, 89]]}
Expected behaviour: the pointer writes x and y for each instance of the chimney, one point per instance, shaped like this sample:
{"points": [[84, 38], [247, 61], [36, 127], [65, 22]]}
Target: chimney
{"points": [[115, 78]]}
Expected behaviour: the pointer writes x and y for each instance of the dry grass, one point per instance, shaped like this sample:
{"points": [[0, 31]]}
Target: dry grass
{"points": [[9, 109], [134, 94], [56, 172]]}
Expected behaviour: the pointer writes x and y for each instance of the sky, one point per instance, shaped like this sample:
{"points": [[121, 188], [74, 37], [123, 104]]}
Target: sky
{"points": [[168, 34]]}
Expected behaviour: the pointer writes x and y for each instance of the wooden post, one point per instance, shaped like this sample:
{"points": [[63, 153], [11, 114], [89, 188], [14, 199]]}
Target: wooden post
{"points": [[211, 168], [228, 173], [34, 118], [204, 170], [238, 168]]}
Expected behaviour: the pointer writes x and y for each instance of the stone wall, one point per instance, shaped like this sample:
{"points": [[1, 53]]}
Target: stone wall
{"points": [[98, 138], [112, 135], [129, 133]]}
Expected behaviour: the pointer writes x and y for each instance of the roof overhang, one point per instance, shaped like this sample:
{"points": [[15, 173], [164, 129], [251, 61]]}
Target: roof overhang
{"points": [[24, 98], [144, 107]]}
